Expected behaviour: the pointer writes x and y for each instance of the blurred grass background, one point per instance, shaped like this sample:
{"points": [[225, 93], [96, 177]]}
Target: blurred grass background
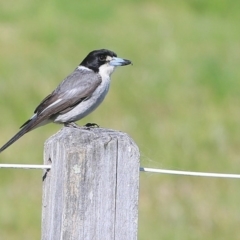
{"points": [[179, 101]]}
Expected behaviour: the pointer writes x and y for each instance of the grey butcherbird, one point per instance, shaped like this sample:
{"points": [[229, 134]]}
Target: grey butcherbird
{"points": [[77, 95]]}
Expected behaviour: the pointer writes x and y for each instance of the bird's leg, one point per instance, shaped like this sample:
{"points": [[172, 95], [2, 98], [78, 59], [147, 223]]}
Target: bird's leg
{"points": [[71, 125], [74, 125], [91, 125]]}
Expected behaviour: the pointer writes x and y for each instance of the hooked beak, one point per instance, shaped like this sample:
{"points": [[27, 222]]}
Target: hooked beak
{"points": [[119, 62]]}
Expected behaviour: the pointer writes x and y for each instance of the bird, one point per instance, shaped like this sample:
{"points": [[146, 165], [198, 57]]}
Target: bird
{"points": [[77, 95]]}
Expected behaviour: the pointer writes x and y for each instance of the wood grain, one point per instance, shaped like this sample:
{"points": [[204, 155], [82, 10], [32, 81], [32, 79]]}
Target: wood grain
{"points": [[91, 191]]}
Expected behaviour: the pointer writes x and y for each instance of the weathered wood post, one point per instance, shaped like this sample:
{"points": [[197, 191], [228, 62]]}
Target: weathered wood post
{"points": [[91, 191]]}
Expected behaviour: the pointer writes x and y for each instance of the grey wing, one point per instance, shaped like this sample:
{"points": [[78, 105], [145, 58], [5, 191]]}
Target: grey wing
{"points": [[75, 88]]}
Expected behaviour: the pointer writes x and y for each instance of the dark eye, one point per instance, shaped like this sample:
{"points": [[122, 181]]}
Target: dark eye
{"points": [[101, 58]]}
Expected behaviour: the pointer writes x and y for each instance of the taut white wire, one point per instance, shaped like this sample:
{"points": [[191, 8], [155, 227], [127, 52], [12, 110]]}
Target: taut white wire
{"points": [[153, 170], [25, 166], [186, 173]]}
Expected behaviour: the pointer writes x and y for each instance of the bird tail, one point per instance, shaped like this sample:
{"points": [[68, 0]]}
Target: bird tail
{"points": [[28, 126]]}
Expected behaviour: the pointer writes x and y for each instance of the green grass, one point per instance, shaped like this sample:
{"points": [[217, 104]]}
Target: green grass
{"points": [[179, 101]]}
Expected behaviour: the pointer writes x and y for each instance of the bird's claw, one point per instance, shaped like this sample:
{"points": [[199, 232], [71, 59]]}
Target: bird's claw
{"points": [[91, 125]]}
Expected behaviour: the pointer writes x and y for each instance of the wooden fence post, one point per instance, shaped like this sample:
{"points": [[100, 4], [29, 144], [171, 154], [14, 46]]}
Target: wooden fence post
{"points": [[91, 191]]}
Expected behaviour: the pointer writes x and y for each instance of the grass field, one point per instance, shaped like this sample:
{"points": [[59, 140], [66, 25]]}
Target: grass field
{"points": [[179, 101]]}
